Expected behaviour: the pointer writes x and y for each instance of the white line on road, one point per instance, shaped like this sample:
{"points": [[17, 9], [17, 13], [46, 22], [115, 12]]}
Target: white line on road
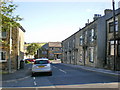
{"points": [[17, 79], [34, 78], [63, 71], [35, 83], [54, 67]]}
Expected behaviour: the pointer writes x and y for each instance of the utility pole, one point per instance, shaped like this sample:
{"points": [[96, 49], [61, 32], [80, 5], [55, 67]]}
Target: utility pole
{"points": [[10, 49], [113, 4]]}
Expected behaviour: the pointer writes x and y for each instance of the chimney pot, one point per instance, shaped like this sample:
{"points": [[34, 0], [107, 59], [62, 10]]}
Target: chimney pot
{"points": [[119, 4]]}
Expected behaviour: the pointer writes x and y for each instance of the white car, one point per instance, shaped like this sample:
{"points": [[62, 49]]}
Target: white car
{"points": [[41, 65]]}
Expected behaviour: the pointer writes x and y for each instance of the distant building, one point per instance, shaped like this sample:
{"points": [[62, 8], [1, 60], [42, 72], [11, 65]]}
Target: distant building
{"points": [[25, 49], [51, 50], [14, 52]]}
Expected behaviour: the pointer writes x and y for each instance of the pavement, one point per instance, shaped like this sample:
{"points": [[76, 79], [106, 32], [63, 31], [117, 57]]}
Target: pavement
{"points": [[105, 71], [26, 72], [19, 74]]}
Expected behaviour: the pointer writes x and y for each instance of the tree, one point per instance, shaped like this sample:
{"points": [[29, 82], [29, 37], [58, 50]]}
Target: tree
{"points": [[32, 48], [7, 17], [7, 13]]}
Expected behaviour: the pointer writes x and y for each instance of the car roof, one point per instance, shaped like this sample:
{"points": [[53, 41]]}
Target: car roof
{"points": [[42, 59]]}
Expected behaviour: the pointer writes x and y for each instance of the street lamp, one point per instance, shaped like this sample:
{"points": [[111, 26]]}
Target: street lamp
{"points": [[113, 4], [10, 49]]}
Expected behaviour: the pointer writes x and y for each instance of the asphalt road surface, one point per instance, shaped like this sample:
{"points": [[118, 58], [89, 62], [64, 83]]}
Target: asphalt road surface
{"points": [[65, 77]]}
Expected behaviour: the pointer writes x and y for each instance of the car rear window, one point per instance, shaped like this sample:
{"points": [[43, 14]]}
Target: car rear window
{"points": [[41, 62]]}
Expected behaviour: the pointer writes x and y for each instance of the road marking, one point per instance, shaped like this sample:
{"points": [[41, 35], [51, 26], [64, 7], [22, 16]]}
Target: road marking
{"points": [[63, 71], [14, 80], [34, 78], [35, 83], [54, 66]]}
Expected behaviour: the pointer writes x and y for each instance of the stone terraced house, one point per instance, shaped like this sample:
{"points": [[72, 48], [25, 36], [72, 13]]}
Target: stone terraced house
{"points": [[12, 49], [93, 44]]}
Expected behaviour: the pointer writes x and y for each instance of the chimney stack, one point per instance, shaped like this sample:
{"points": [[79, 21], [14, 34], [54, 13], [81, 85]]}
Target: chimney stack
{"points": [[119, 4], [106, 11], [87, 22], [96, 16]]}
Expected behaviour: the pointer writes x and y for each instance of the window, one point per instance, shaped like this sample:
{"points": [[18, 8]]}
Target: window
{"points": [[91, 54], [111, 47], [111, 28], [85, 36], [81, 56], [3, 34], [81, 40], [73, 56], [73, 43], [41, 62], [2, 56], [44, 52], [51, 48], [68, 45], [92, 35]]}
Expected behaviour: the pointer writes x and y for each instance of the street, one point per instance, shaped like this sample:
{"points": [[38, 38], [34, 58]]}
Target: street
{"points": [[64, 77]]}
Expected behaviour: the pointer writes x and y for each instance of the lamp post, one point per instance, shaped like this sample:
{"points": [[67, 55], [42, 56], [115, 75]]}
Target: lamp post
{"points": [[10, 47], [113, 4]]}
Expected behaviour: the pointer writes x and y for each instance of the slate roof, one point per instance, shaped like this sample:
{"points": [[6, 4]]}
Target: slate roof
{"points": [[54, 44]]}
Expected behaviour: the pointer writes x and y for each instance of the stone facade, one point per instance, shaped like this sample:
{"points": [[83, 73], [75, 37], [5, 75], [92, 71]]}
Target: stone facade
{"points": [[83, 42], [91, 43], [11, 54], [69, 50], [51, 50], [111, 62]]}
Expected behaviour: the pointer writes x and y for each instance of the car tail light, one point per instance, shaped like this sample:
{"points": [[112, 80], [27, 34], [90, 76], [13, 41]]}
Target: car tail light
{"points": [[48, 61], [34, 62]]}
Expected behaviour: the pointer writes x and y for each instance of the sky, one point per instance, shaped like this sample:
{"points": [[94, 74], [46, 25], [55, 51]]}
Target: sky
{"points": [[56, 20]]}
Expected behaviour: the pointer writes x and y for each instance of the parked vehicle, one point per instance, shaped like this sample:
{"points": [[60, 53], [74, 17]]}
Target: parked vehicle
{"points": [[29, 60], [41, 65]]}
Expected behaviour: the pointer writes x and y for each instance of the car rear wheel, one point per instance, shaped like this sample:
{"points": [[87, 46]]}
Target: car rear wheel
{"points": [[50, 73], [33, 74]]}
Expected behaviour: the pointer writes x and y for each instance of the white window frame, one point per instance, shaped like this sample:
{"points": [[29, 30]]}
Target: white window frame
{"points": [[81, 40], [91, 54], [92, 34], [86, 34], [73, 55], [81, 56], [111, 47]]}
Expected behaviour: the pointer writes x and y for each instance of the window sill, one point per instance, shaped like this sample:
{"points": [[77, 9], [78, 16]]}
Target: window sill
{"points": [[3, 61]]}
